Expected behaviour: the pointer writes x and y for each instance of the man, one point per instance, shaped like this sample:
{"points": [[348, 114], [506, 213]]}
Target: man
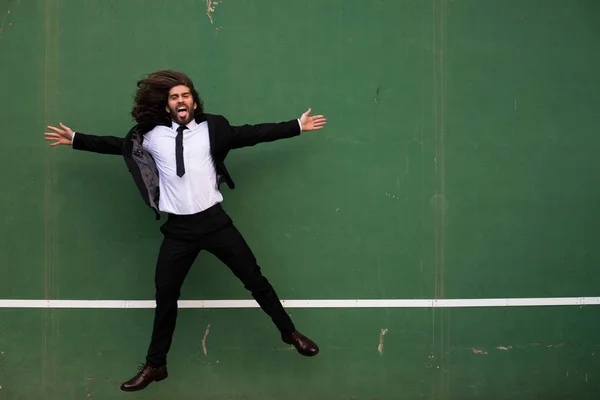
{"points": [[175, 154]]}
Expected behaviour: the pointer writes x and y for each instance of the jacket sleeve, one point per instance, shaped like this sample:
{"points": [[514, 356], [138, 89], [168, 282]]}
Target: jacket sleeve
{"points": [[250, 135], [98, 144]]}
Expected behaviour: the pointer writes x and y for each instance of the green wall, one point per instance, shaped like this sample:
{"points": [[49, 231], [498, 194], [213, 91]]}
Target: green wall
{"points": [[459, 161]]}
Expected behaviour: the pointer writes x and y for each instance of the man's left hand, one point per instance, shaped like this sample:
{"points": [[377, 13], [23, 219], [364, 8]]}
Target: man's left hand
{"points": [[313, 123]]}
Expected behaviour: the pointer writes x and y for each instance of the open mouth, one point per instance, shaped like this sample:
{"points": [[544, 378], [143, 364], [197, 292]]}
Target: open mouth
{"points": [[182, 112]]}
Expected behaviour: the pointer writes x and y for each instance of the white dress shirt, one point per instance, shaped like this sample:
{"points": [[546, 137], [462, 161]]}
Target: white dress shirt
{"points": [[197, 189]]}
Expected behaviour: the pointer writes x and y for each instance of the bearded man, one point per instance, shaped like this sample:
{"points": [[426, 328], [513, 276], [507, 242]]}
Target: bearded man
{"points": [[176, 155]]}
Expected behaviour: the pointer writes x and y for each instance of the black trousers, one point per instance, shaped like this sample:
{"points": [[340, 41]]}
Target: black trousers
{"points": [[184, 237]]}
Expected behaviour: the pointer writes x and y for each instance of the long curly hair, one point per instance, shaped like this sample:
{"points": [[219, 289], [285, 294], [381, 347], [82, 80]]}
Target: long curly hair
{"points": [[152, 95]]}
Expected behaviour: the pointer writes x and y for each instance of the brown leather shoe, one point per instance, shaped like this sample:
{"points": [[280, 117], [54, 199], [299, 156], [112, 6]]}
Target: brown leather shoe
{"points": [[303, 345], [146, 376]]}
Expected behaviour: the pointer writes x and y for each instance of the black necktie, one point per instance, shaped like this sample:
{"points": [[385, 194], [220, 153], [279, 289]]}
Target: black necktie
{"points": [[179, 151]]}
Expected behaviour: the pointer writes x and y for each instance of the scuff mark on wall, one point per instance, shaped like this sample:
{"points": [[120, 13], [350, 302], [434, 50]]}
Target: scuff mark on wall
{"points": [[3, 23], [515, 347], [210, 8], [204, 340], [380, 347], [1, 355]]}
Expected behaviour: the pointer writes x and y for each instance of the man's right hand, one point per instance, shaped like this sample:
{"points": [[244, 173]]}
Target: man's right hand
{"points": [[62, 136]]}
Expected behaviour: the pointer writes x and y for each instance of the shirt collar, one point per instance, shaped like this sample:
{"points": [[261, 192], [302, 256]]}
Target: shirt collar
{"points": [[191, 125]]}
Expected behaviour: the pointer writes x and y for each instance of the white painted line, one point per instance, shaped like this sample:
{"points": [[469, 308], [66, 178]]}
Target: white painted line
{"points": [[359, 303]]}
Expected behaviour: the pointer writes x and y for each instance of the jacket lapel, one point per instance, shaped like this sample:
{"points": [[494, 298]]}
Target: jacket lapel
{"points": [[211, 132]]}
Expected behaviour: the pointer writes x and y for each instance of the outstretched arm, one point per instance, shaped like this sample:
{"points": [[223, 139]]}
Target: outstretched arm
{"points": [[81, 141], [249, 135]]}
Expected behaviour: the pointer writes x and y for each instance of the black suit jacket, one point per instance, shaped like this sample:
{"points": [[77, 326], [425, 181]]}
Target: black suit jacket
{"points": [[223, 138]]}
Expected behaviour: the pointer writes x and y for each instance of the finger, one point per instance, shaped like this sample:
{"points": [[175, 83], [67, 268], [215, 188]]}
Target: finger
{"points": [[51, 135], [54, 128], [65, 127]]}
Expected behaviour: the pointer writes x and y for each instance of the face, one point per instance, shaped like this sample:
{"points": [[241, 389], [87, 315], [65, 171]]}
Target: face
{"points": [[181, 104]]}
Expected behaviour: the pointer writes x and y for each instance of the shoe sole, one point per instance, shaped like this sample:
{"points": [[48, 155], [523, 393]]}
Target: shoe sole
{"points": [[301, 353], [144, 387]]}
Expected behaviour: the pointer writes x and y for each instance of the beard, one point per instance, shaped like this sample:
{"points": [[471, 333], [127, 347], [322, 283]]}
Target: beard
{"points": [[182, 118]]}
